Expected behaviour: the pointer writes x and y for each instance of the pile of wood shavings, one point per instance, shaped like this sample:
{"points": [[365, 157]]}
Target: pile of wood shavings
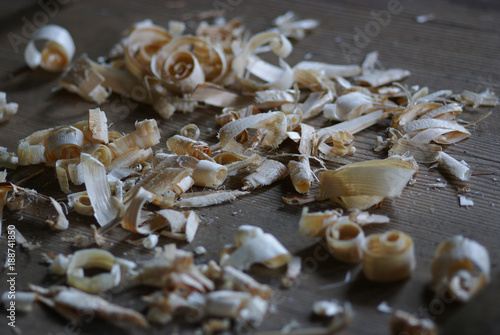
{"points": [[262, 105]]}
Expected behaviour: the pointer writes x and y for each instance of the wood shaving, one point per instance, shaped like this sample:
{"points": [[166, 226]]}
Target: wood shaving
{"points": [[388, 257], [406, 323], [461, 266], [74, 304], [359, 185], [261, 106], [88, 258], [57, 51], [249, 249], [7, 110], [465, 201]]}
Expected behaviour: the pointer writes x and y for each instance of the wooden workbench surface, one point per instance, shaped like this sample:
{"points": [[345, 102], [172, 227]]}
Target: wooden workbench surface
{"points": [[457, 50]]}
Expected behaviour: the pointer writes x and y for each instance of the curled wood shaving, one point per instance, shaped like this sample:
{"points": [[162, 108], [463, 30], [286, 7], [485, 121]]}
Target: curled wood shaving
{"points": [[64, 143], [348, 106], [388, 257], [459, 169], [461, 266], [341, 145], [250, 242], [245, 62], [143, 39], [300, 174], [57, 52], [146, 135], [190, 130], [209, 174], [345, 240], [343, 233], [273, 122], [182, 145], [265, 174], [80, 260], [101, 152], [273, 98]]}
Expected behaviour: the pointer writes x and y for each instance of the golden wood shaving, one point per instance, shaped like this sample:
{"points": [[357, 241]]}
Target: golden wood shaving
{"points": [[388, 257], [364, 184], [265, 174], [345, 240]]}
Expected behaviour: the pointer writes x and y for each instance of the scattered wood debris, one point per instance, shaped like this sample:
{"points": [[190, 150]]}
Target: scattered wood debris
{"points": [[262, 105]]}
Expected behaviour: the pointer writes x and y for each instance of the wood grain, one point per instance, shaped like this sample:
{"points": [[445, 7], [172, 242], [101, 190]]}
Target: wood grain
{"points": [[458, 50]]}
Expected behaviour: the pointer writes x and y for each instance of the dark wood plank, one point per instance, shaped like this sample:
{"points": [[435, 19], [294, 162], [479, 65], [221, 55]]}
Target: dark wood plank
{"points": [[458, 50]]}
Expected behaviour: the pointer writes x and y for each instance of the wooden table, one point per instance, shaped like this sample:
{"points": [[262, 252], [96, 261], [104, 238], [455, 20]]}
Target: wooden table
{"points": [[457, 50]]}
